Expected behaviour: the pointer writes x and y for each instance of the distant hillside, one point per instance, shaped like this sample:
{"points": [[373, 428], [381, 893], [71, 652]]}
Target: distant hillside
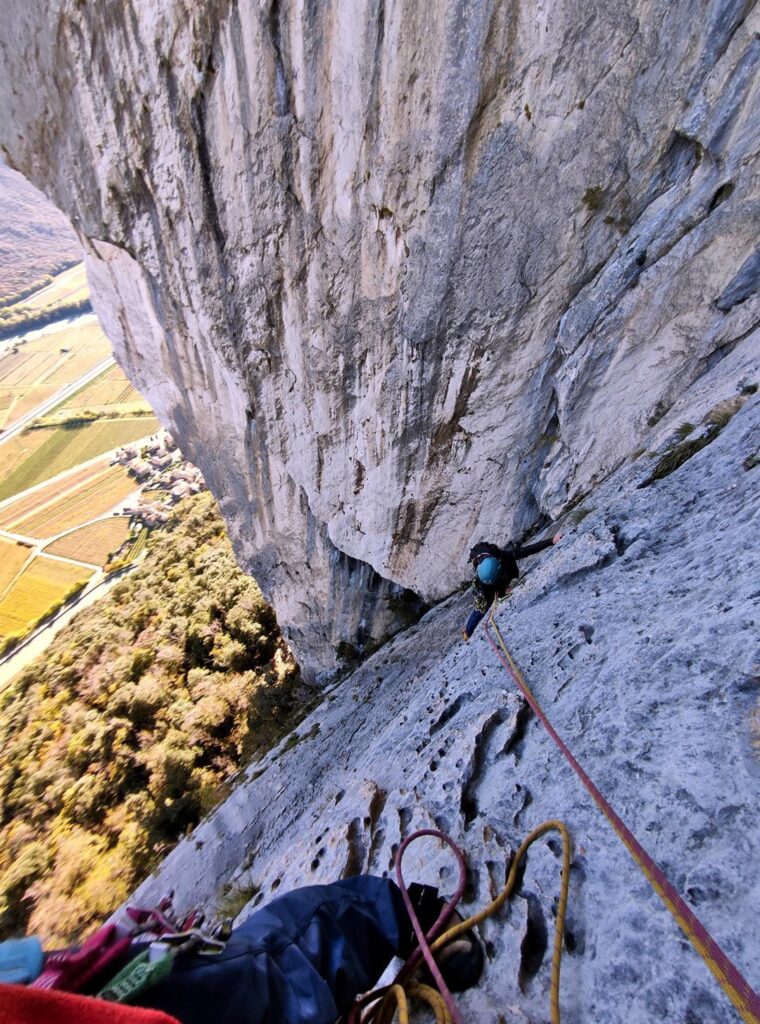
{"points": [[35, 238]]}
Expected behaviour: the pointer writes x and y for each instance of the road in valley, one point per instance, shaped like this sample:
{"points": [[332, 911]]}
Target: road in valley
{"points": [[58, 397], [37, 642]]}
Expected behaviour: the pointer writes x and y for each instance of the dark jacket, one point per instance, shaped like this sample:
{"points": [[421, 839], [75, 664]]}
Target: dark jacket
{"points": [[302, 959], [507, 558]]}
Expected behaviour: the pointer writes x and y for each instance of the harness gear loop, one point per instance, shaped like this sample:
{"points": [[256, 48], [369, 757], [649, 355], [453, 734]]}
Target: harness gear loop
{"points": [[731, 980], [387, 1001]]}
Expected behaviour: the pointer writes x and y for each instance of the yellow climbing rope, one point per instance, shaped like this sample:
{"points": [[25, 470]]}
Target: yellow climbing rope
{"points": [[394, 999]]}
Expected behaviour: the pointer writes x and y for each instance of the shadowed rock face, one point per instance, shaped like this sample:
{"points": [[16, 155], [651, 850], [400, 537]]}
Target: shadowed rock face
{"points": [[398, 276]]}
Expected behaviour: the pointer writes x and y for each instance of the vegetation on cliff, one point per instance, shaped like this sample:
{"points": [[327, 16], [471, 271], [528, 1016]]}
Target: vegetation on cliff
{"points": [[120, 740]]}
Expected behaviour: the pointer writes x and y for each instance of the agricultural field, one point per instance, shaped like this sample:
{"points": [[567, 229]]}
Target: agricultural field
{"points": [[32, 371], [15, 406], [26, 504], [43, 585], [138, 546], [70, 286], [12, 557], [16, 451], [109, 393], [68, 446], [91, 498], [93, 543]]}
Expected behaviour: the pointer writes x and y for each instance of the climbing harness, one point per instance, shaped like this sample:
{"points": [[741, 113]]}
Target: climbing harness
{"points": [[381, 1004], [74, 970], [733, 983]]}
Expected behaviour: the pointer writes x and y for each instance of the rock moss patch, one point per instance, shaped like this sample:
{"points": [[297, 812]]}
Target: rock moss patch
{"points": [[593, 197], [295, 738], [233, 898], [675, 455]]}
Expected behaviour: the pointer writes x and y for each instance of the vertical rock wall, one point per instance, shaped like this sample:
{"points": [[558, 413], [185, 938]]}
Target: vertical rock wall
{"points": [[397, 275]]}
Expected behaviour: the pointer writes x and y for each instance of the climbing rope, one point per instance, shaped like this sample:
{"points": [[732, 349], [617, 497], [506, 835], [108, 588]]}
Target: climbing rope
{"points": [[733, 983], [384, 1003]]}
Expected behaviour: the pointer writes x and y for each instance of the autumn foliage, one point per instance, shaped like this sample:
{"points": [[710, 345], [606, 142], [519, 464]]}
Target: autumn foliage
{"points": [[117, 742]]}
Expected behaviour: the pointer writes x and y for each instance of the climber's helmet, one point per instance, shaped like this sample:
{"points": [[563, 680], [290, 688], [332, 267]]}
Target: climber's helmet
{"points": [[488, 570]]}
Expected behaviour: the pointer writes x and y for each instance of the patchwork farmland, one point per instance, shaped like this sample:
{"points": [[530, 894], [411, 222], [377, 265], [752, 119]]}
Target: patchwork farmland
{"points": [[16, 451], [111, 392], [44, 494], [90, 499], [57, 423], [56, 485], [66, 447], [94, 543], [45, 583], [32, 371]]}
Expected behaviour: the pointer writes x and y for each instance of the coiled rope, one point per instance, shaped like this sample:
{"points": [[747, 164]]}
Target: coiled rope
{"points": [[734, 984], [382, 1004]]}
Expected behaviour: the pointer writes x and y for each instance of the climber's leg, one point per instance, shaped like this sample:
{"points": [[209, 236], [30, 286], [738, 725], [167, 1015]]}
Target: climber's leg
{"points": [[472, 623]]}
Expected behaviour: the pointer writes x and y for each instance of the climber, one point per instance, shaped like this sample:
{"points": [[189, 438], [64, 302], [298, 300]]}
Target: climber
{"points": [[302, 959], [495, 568]]}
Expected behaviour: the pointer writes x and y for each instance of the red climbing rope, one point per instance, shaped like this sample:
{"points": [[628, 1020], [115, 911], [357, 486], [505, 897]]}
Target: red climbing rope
{"points": [[423, 949], [734, 984], [385, 1002], [444, 917]]}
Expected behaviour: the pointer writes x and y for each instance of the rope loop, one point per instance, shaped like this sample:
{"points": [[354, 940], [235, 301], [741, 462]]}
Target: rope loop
{"points": [[382, 1005]]}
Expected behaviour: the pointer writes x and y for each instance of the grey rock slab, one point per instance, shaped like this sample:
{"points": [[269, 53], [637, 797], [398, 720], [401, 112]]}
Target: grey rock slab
{"points": [[638, 635]]}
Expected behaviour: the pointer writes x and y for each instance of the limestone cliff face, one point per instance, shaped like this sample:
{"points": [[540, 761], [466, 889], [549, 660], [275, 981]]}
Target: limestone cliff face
{"points": [[397, 275], [638, 635]]}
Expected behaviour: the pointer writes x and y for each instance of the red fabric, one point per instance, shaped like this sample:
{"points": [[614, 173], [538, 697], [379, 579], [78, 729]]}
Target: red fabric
{"points": [[22, 1005], [72, 969]]}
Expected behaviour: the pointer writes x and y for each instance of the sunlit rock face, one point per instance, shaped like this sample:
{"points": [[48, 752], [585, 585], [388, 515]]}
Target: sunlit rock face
{"points": [[637, 636], [398, 276]]}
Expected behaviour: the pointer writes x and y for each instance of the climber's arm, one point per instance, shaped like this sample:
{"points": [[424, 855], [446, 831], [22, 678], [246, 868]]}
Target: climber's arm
{"points": [[523, 550]]}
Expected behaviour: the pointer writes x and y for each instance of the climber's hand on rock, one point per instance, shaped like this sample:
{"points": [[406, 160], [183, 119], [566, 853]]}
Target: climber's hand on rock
{"points": [[465, 635], [557, 538]]}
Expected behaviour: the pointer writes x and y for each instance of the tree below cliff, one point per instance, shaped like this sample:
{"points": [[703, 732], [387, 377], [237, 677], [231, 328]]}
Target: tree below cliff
{"points": [[121, 739]]}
